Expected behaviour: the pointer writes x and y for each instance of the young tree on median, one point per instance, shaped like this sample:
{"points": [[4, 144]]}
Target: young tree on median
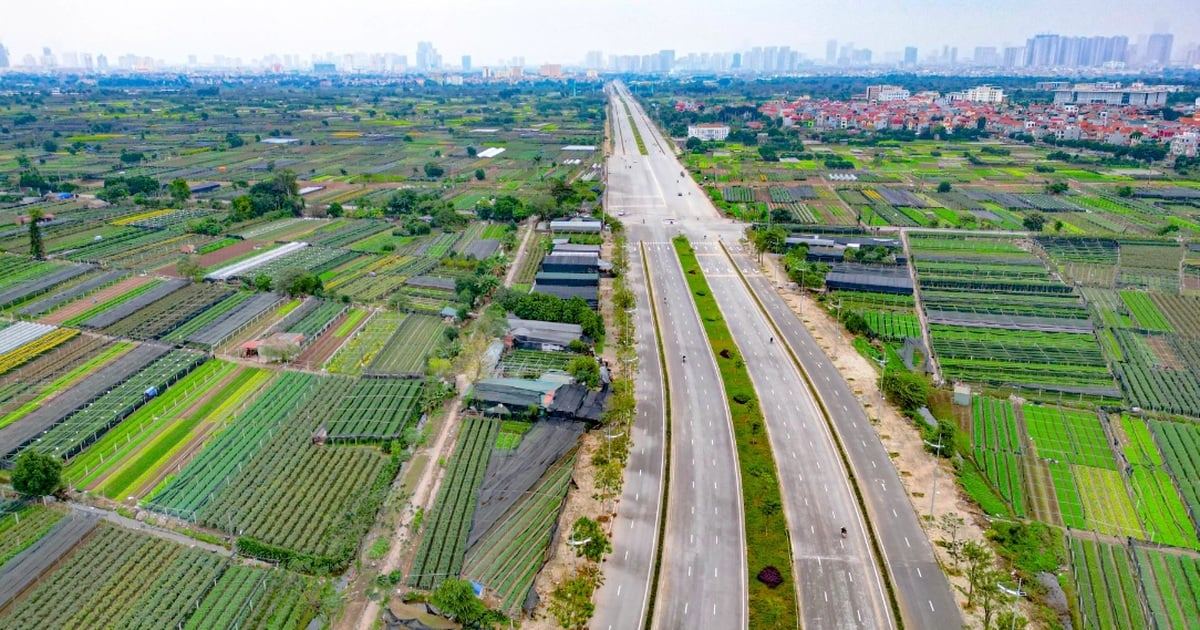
{"points": [[597, 542]]}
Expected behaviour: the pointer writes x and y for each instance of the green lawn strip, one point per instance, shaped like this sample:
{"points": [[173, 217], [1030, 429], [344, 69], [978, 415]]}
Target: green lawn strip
{"points": [[767, 541], [128, 436], [65, 381], [135, 472], [100, 308]]}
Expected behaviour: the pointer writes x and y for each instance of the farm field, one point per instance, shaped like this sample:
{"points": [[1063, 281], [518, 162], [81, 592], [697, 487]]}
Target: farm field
{"points": [[444, 542], [117, 577]]}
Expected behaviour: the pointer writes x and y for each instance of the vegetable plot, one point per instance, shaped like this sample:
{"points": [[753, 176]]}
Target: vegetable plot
{"points": [[442, 546]]}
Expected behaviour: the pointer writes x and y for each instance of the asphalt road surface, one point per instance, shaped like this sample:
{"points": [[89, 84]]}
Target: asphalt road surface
{"points": [[702, 580], [839, 584]]}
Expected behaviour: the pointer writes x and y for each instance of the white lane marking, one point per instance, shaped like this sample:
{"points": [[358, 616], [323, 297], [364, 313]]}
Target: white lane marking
{"points": [[931, 606], [919, 572], [906, 541]]}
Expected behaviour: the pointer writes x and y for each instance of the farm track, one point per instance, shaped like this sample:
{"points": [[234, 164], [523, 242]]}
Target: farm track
{"points": [[81, 305]]}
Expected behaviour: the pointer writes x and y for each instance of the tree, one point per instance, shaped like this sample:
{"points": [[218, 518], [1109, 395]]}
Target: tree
{"points": [[233, 140], [1034, 222], [979, 559], [37, 474], [988, 593], [471, 152], [50, 146], [433, 171], [1056, 188], [907, 390], [571, 603], [585, 371], [769, 508], [943, 187], [561, 191], [1125, 191], [456, 598], [597, 542], [262, 282], [179, 190], [951, 523], [37, 248], [480, 174], [189, 267], [297, 281], [335, 209]]}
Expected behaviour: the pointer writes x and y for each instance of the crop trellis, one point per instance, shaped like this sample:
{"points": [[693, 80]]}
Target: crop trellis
{"points": [[405, 352], [375, 409]]}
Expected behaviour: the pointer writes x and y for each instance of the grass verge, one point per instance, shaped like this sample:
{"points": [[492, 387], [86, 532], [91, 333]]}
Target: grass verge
{"points": [[767, 542]]}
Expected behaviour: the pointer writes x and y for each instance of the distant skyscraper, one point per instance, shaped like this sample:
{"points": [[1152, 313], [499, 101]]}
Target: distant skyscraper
{"points": [[594, 60], [466, 63], [3, 56], [666, 60], [1158, 49], [427, 57], [101, 62], [953, 59], [831, 51], [910, 56]]}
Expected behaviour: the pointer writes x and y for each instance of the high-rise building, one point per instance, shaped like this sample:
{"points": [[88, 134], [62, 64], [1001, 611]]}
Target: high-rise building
{"points": [[831, 52], [427, 57], [593, 60], [666, 60], [466, 63], [1014, 56], [101, 62], [3, 56], [986, 56], [910, 56], [1158, 49]]}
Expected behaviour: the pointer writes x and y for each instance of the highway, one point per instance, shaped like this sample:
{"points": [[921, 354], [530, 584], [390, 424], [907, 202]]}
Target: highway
{"points": [[703, 576], [838, 581]]}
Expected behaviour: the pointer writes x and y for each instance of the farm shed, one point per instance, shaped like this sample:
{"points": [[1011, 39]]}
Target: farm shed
{"points": [[825, 254], [539, 335], [877, 279], [567, 279], [575, 248], [588, 294], [200, 189], [514, 395], [568, 262], [577, 225], [576, 402]]}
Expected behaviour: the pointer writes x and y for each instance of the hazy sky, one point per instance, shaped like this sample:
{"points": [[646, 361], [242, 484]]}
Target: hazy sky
{"points": [[563, 30]]}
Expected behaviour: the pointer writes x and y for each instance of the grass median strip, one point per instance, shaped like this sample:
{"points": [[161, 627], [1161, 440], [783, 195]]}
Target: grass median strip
{"points": [[767, 542]]}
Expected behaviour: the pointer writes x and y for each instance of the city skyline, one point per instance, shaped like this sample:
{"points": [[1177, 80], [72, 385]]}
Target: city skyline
{"points": [[547, 32]]}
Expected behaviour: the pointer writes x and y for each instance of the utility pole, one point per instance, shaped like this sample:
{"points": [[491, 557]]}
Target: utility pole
{"points": [[933, 491]]}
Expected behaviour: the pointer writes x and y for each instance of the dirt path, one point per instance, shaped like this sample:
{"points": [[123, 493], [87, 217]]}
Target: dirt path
{"points": [[522, 251], [361, 613], [71, 309]]}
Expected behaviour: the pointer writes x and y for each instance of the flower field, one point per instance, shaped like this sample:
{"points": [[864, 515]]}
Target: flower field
{"points": [[1108, 596], [405, 353], [376, 409], [360, 350], [444, 541], [22, 526], [997, 449], [1172, 585], [303, 504], [21, 355], [120, 578], [195, 486]]}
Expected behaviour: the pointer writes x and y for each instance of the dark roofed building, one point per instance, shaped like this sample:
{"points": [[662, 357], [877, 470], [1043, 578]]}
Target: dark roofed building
{"points": [[872, 278], [576, 248], [571, 262], [563, 279], [591, 294], [514, 395], [579, 403], [539, 335]]}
